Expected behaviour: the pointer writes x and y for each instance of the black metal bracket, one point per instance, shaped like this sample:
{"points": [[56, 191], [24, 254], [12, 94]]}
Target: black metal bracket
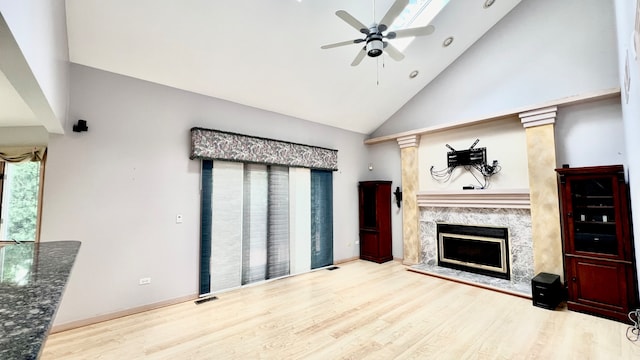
{"points": [[398, 195]]}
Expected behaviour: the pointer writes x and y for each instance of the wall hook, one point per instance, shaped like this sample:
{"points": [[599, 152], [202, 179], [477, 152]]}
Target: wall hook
{"points": [[398, 195]]}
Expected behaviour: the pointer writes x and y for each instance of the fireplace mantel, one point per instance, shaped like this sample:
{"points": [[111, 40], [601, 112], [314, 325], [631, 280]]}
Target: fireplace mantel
{"points": [[488, 198]]}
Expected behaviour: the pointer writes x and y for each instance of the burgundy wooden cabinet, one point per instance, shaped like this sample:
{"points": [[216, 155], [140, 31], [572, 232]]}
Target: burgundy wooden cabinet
{"points": [[597, 243], [375, 220]]}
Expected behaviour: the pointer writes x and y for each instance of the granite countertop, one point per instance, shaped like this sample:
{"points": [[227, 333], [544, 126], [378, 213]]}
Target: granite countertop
{"points": [[32, 279]]}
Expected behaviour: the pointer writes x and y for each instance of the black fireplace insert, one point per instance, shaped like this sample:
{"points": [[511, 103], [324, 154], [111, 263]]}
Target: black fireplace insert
{"points": [[478, 249]]}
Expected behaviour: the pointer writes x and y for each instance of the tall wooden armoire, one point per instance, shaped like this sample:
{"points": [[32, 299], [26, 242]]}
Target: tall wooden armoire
{"points": [[375, 220]]}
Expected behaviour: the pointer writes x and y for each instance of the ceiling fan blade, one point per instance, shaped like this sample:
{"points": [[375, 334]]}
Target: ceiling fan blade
{"points": [[360, 56], [394, 53], [393, 13], [352, 21], [343, 43], [420, 31]]}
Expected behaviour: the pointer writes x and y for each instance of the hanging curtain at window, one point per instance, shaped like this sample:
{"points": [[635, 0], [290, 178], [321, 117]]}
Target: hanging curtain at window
{"points": [[262, 222], [321, 218], [226, 225], [206, 218], [247, 230], [254, 226], [278, 223], [267, 210], [299, 220], [15, 154], [265, 223]]}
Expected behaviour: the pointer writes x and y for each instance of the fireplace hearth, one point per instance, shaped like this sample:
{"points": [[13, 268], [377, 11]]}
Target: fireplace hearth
{"points": [[479, 249], [519, 249]]}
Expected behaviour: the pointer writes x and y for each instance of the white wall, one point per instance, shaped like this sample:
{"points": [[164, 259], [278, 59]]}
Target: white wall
{"points": [[118, 187], [504, 141], [625, 21], [40, 29], [542, 50], [590, 134]]}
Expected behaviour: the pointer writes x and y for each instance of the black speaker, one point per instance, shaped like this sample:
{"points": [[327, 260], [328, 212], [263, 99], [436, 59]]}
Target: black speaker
{"points": [[80, 126], [546, 290]]}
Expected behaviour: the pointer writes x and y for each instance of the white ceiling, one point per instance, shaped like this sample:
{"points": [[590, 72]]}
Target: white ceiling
{"points": [[266, 53]]}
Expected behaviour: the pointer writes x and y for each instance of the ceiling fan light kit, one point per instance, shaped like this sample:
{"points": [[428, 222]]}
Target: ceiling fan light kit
{"points": [[375, 37], [375, 47]]}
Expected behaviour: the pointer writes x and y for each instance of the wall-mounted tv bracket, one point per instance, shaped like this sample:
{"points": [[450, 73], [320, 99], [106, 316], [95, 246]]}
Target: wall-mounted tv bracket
{"points": [[473, 160]]}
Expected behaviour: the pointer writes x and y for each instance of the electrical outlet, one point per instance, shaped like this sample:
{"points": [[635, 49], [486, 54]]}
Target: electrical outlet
{"points": [[144, 281]]}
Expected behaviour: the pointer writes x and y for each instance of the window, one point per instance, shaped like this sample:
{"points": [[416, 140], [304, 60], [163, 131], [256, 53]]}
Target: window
{"points": [[418, 13], [20, 185], [16, 264], [263, 222]]}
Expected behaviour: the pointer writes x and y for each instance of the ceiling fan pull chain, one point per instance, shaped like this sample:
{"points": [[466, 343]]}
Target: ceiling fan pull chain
{"points": [[377, 71]]}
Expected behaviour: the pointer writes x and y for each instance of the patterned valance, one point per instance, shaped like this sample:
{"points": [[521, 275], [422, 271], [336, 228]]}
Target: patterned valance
{"points": [[219, 145]]}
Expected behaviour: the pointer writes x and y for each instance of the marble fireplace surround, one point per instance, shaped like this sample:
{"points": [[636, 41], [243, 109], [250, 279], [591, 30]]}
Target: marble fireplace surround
{"points": [[503, 208], [538, 204]]}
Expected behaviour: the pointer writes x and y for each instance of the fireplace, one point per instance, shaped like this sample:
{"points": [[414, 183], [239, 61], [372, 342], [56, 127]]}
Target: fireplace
{"points": [[478, 249]]}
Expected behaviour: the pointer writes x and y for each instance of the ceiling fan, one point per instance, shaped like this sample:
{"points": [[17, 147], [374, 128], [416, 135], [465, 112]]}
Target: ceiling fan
{"points": [[375, 36]]}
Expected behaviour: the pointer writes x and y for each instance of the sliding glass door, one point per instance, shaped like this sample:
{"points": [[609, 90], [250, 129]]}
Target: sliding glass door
{"points": [[261, 222], [321, 218]]}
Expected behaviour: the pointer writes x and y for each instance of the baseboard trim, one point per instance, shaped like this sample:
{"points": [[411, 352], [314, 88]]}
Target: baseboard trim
{"points": [[139, 309], [119, 314], [342, 261]]}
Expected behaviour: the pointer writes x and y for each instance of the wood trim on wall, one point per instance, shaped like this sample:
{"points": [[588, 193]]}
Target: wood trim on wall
{"points": [[119, 314], [571, 100], [342, 261], [487, 198], [161, 304], [43, 166], [2, 176]]}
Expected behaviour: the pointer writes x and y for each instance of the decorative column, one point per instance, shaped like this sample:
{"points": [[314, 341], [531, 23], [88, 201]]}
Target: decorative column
{"points": [[543, 186], [410, 214]]}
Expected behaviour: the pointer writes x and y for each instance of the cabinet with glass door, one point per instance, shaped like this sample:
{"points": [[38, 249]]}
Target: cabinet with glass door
{"points": [[597, 246]]}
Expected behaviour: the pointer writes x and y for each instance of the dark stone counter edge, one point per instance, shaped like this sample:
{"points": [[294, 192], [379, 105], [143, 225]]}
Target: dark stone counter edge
{"points": [[27, 311]]}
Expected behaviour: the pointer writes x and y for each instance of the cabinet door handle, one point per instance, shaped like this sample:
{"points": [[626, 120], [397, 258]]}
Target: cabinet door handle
{"points": [[573, 279], [569, 214]]}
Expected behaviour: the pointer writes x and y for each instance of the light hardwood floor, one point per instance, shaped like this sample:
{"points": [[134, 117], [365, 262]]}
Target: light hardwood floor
{"points": [[361, 311]]}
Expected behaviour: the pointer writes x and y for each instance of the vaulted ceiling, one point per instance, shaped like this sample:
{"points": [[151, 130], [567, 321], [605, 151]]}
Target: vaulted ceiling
{"points": [[266, 53]]}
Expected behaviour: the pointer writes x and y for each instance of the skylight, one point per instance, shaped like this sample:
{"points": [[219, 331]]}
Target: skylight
{"points": [[417, 14]]}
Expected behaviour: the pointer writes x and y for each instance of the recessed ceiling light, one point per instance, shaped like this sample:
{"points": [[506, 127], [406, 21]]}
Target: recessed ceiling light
{"points": [[488, 3], [447, 41], [413, 74]]}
